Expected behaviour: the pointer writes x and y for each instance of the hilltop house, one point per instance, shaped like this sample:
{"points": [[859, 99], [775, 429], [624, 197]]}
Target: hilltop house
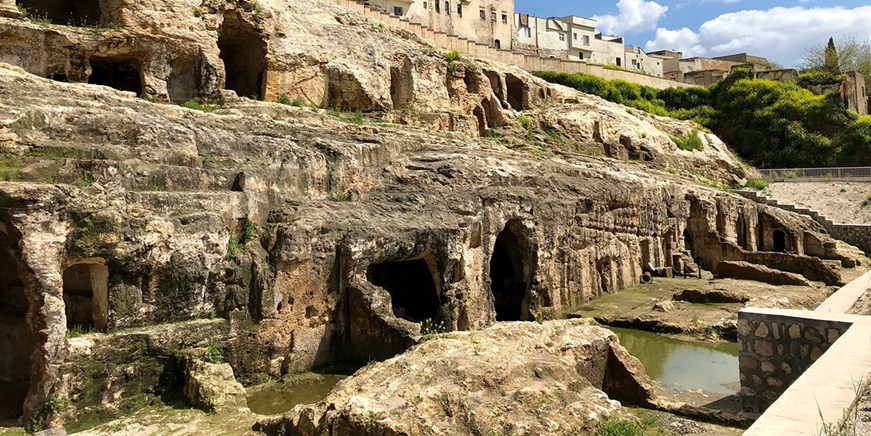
{"points": [[703, 71], [567, 38], [483, 21]]}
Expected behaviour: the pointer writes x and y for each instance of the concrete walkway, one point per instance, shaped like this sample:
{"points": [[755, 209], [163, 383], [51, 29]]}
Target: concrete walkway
{"points": [[842, 301]]}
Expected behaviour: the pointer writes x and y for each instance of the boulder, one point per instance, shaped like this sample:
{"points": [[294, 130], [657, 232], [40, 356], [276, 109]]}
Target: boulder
{"points": [[212, 386], [698, 296], [518, 378]]}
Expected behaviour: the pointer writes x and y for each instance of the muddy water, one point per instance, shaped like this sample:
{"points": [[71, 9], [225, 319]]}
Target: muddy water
{"points": [[279, 397], [684, 365]]}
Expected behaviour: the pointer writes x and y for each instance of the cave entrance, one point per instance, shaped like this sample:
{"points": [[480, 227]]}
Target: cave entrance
{"points": [[411, 287], [515, 88], [778, 241], [64, 12], [119, 73], [741, 230], [507, 280], [401, 86], [244, 54], [86, 297], [17, 341]]}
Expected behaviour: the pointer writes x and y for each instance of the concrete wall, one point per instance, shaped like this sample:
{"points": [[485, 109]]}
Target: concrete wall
{"points": [[776, 349]]}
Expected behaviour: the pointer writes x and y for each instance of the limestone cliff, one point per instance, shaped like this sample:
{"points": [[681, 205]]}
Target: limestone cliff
{"points": [[319, 236]]}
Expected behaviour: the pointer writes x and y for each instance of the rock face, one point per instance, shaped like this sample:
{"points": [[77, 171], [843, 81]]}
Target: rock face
{"points": [[514, 378], [760, 273], [319, 240], [212, 386]]}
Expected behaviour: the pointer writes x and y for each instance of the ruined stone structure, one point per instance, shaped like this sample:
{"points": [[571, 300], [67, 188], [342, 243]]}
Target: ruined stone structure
{"points": [[295, 240]]}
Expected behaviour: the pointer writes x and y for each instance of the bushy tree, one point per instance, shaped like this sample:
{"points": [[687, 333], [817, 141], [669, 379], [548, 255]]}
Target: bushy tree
{"points": [[853, 54], [831, 58]]}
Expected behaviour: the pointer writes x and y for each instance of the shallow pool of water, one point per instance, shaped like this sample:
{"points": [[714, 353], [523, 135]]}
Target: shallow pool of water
{"points": [[279, 397], [684, 365]]}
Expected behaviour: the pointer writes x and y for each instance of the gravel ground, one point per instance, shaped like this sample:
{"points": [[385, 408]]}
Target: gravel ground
{"points": [[841, 202]]}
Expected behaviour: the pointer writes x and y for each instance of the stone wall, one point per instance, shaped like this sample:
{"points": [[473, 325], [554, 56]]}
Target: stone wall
{"points": [[776, 349], [855, 234]]}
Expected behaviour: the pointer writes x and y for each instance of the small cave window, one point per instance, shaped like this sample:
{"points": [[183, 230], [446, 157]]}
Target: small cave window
{"points": [[515, 88], [119, 73], [778, 241], [507, 281], [85, 289], [17, 341], [411, 287], [498, 44], [244, 54], [64, 12]]}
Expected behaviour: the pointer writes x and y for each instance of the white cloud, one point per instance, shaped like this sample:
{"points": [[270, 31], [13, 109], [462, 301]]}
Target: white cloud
{"points": [[683, 40], [780, 34], [635, 16]]}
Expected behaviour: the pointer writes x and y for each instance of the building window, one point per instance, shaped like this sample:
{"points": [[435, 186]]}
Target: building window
{"points": [[483, 15], [562, 37], [527, 33], [586, 40], [619, 62], [575, 37], [504, 18], [581, 55], [448, 8], [498, 44], [634, 63], [438, 8], [397, 10], [493, 16], [460, 9]]}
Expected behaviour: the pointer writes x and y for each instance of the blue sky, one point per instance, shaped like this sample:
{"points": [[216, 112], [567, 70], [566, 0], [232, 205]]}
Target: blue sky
{"points": [[780, 30]]}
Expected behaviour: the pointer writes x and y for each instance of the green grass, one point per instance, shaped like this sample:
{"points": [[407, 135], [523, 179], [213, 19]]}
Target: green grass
{"points": [[867, 201], [692, 142], [619, 427], [342, 196], [202, 107], [10, 167], [285, 100], [355, 117], [758, 184]]}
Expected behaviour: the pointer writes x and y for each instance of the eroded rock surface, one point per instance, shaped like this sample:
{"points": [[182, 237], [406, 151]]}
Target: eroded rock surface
{"points": [[514, 378]]}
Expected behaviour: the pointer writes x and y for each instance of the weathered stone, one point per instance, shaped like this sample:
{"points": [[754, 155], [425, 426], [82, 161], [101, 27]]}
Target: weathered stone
{"points": [[767, 367], [775, 330], [212, 386], [786, 368], [764, 348], [760, 273], [774, 382], [832, 335], [795, 331], [546, 375], [816, 353], [663, 306], [744, 327], [761, 331]]}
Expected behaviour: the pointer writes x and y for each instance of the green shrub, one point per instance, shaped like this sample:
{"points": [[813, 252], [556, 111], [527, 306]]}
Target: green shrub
{"points": [[453, 59], [619, 427], [758, 184], [203, 107], [233, 247], [818, 77], [690, 143], [213, 353], [249, 233]]}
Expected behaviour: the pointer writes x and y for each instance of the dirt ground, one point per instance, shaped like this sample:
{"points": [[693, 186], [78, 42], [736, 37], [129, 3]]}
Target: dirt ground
{"points": [[652, 307], [842, 202]]}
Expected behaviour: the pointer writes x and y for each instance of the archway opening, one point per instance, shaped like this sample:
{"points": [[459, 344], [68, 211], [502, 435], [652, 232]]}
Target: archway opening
{"points": [[120, 73], [741, 230], [778, 241], [515, 88], [411, 287], [86, 297], [507, 281], [16, 339], [244, 54], [64, 12]]}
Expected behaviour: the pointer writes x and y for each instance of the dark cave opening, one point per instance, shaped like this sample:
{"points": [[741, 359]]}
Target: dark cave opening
{"points": [[244, 54], [779, 241], [515, 91], [64, 12], [411, 286], [119, 73], [17, 342], [507, 279]]}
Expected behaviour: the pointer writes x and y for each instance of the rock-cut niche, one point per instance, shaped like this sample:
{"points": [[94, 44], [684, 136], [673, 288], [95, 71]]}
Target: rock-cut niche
{"points": [[507, 279], [778, 241], [64, 12], [411, 287], [17, 342], [244, 54], [86, 299], [120, 73]]}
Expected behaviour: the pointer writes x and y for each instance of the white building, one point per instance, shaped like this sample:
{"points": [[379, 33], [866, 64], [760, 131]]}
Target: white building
{"points": [[568, 38], [639, 60]]}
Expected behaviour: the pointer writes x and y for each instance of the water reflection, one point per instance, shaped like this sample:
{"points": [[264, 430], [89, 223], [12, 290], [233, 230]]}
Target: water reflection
{"points": [[684, 365], [274, 398]]}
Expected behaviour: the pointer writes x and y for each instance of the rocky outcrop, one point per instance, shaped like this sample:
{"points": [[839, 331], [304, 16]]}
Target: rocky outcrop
{"points": [[512, 378], [760, 273], [212, 386]]}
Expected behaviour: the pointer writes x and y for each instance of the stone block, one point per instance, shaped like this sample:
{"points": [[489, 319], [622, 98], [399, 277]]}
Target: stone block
{"points": [[795, 331], [767, 367], [761, 331], [764, 348]]}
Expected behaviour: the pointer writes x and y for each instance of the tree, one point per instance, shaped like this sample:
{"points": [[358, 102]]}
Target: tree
{"points": [[854, 54], [831, 58]]}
